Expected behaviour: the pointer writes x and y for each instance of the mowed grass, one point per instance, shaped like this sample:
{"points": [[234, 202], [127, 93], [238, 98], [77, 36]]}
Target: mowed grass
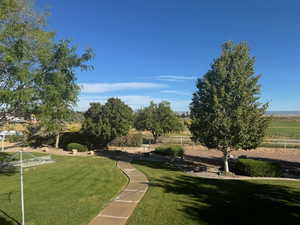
{"points": [[177, 198], [68, 192], [284, 127]]}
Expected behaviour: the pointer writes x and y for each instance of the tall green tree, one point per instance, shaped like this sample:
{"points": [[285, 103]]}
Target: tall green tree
{"points": [[103, 123], [57, 90], [37, 75], [225, 110], [159, 119], [23, 40]]}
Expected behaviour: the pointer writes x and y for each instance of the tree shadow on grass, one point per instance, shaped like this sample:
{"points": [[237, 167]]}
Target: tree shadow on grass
{"points": [[6, 169], [234, 202], [7, 221]]}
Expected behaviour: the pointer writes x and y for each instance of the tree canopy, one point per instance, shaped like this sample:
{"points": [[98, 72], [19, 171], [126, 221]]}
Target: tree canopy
{"points": [[225, 110], [37, 73], [57, 87], [23, 40], [159, 119], [103, 123]]}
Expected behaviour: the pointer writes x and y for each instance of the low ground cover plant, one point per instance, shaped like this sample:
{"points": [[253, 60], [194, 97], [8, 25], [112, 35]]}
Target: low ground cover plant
{"points": [[170, 150], [15, 138], [258, 168], [77, 146]]}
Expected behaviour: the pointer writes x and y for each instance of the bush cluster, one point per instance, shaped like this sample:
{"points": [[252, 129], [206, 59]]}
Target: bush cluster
{"points": [[258, 168], [77, 146], [15, 138], [170, 150], [73, 137], [130, 140]]}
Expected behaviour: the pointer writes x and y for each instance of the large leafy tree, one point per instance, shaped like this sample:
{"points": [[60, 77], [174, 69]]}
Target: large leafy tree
{"points": [[103, 123], [225, 111], [56, 87], [37, 75], [23, 40], [159, 119]]}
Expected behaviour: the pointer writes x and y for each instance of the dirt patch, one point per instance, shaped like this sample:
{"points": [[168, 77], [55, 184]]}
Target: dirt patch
{"points": [[290, 155]]}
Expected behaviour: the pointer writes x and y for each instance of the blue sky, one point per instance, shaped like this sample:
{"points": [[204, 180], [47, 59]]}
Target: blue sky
{"points": [[155, 49]]}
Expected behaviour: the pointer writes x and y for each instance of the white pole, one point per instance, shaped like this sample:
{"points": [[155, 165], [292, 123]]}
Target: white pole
{"points": [[2, 143], [22, 189]]}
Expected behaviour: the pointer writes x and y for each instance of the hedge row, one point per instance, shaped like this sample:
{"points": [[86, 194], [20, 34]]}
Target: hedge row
{"points": [[257, 168], [170, 150], [77, 146]]}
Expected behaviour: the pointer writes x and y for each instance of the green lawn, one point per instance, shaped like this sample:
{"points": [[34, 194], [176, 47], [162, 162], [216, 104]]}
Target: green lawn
{"points": [[176, 198], [68, 192]]}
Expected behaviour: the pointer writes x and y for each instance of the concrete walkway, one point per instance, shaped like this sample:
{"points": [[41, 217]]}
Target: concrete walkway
{"points": [[119, 210]]}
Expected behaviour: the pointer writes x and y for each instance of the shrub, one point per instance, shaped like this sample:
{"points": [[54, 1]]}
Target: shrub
{"points": [[257, 168], [130, 140], [170, 150], [77, 146], [14, 138], [73, 137], [35, 137]]}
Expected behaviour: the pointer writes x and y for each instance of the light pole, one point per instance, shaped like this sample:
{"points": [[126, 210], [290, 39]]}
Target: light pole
{"points": [[22, 188]]}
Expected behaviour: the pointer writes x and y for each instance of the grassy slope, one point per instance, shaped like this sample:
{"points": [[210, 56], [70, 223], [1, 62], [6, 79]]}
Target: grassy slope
{"points": [[176, 198], [69, 192]]}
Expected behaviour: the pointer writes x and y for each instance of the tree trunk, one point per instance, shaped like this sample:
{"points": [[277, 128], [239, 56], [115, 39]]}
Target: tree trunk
{"points": [[155, 137], [57, 141], [226, 157]]}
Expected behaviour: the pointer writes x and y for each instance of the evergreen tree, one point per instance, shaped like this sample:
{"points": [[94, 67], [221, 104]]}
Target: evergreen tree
{"points": [[225, 111], [159, 119], [103, 123]]}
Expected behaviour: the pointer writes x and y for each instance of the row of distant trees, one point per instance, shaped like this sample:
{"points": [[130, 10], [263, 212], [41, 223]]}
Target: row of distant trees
{"points": [[37, 76], [104, 123]]}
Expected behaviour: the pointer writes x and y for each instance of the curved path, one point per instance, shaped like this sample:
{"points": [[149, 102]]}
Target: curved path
{"points": [[119, 210]]}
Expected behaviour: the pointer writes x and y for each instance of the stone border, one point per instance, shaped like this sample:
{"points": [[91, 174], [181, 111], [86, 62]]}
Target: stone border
{"points": [[120, 208]]}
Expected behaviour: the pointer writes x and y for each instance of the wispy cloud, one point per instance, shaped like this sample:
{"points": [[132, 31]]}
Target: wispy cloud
{"points": [[175, 92], [176, 78], [110, 87], [134, 101]]}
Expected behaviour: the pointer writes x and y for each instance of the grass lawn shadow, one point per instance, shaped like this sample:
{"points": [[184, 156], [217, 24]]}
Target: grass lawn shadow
{"points": [[234, 202], [7, 170]]}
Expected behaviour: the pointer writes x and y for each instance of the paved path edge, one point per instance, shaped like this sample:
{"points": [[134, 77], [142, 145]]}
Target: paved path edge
{"points": [[118, 211]]}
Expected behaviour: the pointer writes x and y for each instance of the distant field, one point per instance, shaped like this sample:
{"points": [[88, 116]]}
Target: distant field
{"points": [[279, 128], [284, 127]]}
